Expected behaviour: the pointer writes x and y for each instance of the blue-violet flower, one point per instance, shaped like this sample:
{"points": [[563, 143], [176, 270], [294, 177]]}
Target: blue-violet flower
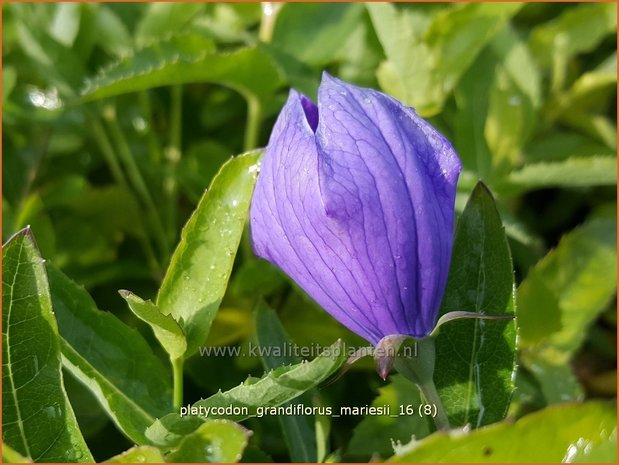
{"points": [[355, 202]]}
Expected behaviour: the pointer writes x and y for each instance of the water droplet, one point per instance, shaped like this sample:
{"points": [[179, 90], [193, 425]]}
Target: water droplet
{"points": [[187, 277]]}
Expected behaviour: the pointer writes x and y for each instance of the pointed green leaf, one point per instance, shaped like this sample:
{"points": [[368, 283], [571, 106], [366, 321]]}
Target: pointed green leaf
{"points": [[572, 427], [166, 329], [274, 389], [572, 172], [139, 454], [185, 59], [37, 419], [475, 359], [298, 431], [216, 441], [111, 359], [196, 279]]}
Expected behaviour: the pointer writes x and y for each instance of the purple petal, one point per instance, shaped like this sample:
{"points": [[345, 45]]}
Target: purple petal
{"points": [[288, 223], [360, 214]]}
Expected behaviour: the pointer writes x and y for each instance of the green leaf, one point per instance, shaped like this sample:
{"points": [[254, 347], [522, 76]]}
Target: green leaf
{"points": [[165, 18], [66, 23], [427, 54], [166, 329], [366, 444], [275, 388], [298, 431], [328, 25], [572, 172], [216, 441], [567, 289], [604, 452], [37, 419], [9, 455], [579, 29], [139, 454], [475, 359], [572, 427], [196, 279], [111, 359], [185, 59]]}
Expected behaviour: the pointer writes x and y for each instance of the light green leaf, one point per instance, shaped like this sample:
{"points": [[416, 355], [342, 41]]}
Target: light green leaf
{"points": [[138, 454], [298, 431], [572, 172], [216, 441], [185, 59], [9, 78], [112, 34], [10, 455], [565, 291], [510, 121], [166, 329], [165, 18], [366, 443], [111, 359], [196, 279], [603, 452], [37, 419], [427, 54], [66, 23], [558, 300], [571, 427], [579, 29], [275, 388], [561, 145], [475, 359], [328, 25]]}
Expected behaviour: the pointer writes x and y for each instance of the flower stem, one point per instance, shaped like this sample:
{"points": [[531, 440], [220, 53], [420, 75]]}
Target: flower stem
{"points": [[254, 120], [177, 373], [419, 369], [430, 394]]}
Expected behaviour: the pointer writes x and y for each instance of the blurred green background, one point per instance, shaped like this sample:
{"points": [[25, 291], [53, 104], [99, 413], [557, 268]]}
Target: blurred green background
{"points": [[116, 117]]}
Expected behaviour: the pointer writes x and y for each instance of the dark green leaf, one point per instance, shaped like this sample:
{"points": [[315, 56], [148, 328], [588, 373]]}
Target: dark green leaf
{"points": [[298, 431], [37, 419], [185, 59], [572, 427], [196, 279], [475, 359], [111, 359], [325, 25]]}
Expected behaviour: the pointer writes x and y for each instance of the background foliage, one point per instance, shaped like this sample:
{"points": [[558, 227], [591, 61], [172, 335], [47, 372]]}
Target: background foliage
{"points": [[116, 118]]}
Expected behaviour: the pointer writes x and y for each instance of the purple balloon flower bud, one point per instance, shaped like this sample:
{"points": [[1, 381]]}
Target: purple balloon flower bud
{"points": [[355, 202]]}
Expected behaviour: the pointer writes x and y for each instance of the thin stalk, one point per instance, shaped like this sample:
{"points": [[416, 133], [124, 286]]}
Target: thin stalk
{"points": [[108, 152], [105, 146], [177, 373], [254, 120], [430, 394], [173, 155], [135, 177], [154, 151], [267, 22]]}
